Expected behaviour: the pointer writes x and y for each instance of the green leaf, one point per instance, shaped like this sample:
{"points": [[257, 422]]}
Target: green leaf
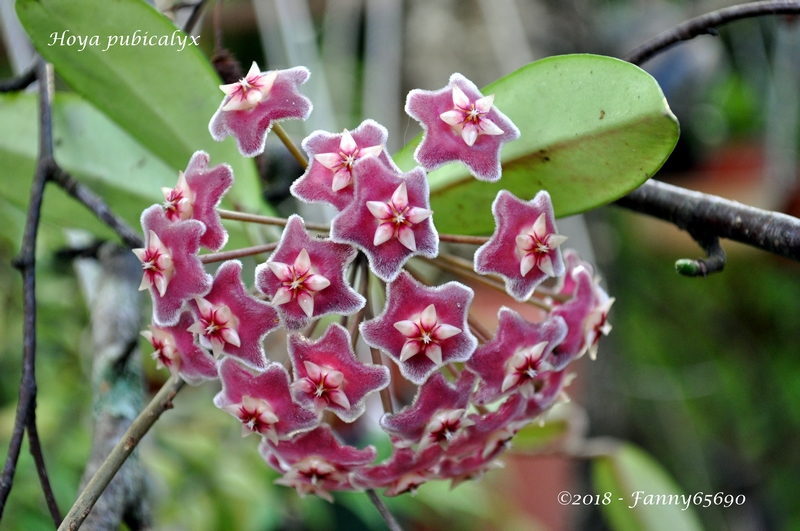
{"points": [[91, 148], [593, 129], [163, 96], [534, 437], [630, 470]]}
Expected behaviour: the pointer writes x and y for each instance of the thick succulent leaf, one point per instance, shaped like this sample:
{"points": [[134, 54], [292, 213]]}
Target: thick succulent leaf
{"points": [[90, 147], [163, 96], [630, 470], [592, 129]]}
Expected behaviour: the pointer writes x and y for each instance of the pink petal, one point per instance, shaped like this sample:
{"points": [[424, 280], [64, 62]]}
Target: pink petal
{"points": [[469, 133], [488, 127], [339, 398], [407, 328], [329, 160], [445, 331], [161, 284], [546, 265], [282, 296], [306, 302], [410, 349], [313, 371], [347, 144], [231, 336], [379, 209], [526, 264], [383, 234], [428, 317], [434, 353], [302, 263], [416, 214], [459, 98], [341, 179], [317, 282], [484, 104], [406, 236], [370, 151], [282, 271], [453, 118], [400, 197]]}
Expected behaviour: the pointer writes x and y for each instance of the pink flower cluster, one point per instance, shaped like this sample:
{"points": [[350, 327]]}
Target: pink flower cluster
{"points": [[462, 418]]}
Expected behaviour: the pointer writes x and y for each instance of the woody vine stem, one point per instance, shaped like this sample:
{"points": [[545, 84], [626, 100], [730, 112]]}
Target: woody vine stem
{"points": [[707, 218]]}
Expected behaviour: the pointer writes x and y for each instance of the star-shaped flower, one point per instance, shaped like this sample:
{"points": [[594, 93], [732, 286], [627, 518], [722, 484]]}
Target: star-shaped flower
{"points": [[175, 349], [389, 218], [515, 359], [329, 376], [329, 175], [524, 247], [262, 401], [575, 312], [420, 339], [252, 105], [197, 195], [488, 437], [404, 471], [305, 277], [549, 389], [172, 270], [437, 414], [230, 320], [460, 124], [316, 462]]}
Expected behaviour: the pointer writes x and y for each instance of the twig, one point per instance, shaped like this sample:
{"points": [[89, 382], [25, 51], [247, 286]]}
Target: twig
{"points": [[700, 267], [388, 517], [458, 238], [296, 153], [98, 206], [158, 405], [197, 10], [237, 253], [446, 265], [707, 214], [22, 81], [266, 220], [706, 25], [363, 287], [386, 397], [26, 263], [41, 470]]}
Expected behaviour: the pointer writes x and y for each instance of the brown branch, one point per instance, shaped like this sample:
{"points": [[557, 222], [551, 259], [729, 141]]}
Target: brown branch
{"points": [[266, 220], [237, 253], [707, 25], [706, 214], [26, 263], [158, 405], [98, 206], [387, 516], [22, 81]]}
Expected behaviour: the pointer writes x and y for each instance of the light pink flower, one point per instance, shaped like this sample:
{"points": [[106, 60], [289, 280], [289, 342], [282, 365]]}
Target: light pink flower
{"points": [[437, 414], [329, 376], [230, 320], [404, 471], [175, 349], [389, 218], [524, 248], [262, 401], [316, 462], [252, 105], [515, 359], [329, 176], [420, 339], [460, 124], [197, 195], [305, 277], [172, 271]]}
